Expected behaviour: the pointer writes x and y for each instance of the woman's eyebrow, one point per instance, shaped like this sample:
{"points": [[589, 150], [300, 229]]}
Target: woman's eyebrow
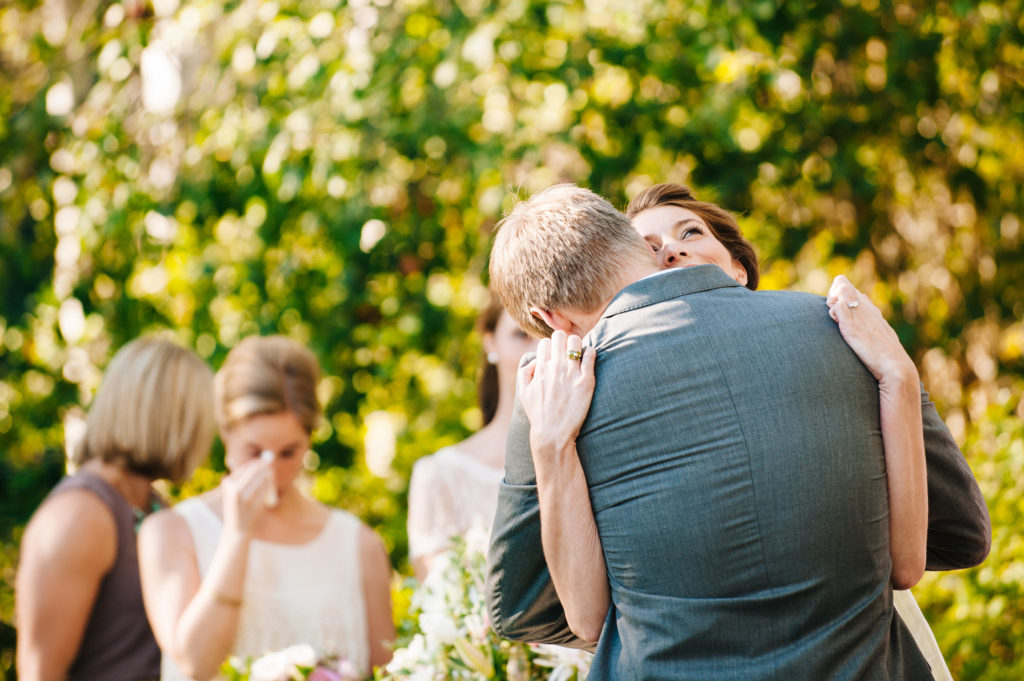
{"points": [[689, 221], [290, 445]]}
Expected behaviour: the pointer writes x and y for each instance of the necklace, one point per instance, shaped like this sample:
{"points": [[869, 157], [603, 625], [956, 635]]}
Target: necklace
{"points": [[140, 514]]}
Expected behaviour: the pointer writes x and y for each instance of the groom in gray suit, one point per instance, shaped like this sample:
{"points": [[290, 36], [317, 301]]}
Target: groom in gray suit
{"points": [[734, 465]]}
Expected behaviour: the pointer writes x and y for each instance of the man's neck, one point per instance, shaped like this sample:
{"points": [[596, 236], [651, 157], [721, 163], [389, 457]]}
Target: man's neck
{"points": [[585, 321]]}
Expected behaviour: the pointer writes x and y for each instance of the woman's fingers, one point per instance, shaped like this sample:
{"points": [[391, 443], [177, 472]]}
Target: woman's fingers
{"points": [[525, 376], [840, 283], [587, 364], [573, 353], [251, 482], [558, 350], [543, 350]]}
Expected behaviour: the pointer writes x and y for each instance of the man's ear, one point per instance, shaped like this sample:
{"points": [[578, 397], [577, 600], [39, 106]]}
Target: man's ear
{"points": [[555, 319]]}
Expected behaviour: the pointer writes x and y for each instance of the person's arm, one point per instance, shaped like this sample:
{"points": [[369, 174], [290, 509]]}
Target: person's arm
{"points": [[959, 527], [876, 344], [556, 393], [195, 620], [68, 547], [521, 599], [376, 577]]}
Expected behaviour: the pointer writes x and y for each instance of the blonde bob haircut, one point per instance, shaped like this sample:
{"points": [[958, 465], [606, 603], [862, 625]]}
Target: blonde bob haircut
{"points": [[267, 375], [153, 414], [563, 248]]}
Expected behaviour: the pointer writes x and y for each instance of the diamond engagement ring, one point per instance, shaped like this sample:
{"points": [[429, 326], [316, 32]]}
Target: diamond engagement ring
{"points": [[574, 354], [852, 304]]}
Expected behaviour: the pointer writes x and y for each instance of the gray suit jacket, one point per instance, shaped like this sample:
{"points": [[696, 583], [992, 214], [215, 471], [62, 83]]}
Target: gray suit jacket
{"points": [[736, 473]]}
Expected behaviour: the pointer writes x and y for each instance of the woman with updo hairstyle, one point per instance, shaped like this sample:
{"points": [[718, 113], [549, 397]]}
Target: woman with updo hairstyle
{"points": [[79, 611], [456, 488], [254, 565]]}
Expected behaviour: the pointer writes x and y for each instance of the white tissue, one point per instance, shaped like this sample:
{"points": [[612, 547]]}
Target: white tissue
{"points": [[271, 500]]}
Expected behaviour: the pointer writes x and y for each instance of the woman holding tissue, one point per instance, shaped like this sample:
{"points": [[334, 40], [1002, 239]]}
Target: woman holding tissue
{"points": [[254, 565]]}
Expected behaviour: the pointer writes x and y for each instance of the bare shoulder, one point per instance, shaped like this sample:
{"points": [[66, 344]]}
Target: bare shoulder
{"points": [[371, 547], [163, 525], [72, 515], [74, 526], [425, 466]]}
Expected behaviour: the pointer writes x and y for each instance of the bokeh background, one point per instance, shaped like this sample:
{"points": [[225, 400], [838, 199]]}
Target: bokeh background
{"points": [[333, 171]]}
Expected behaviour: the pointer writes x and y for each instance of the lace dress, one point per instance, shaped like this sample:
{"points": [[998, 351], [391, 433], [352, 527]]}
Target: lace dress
{"points": [[450, 492], [306, 593]]}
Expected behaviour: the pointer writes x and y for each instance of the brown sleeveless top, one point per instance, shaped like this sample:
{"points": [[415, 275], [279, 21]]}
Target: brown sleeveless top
{"points": [[118, 644]]}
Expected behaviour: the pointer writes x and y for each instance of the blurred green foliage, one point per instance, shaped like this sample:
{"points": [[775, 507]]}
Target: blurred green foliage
{"points": [[332, 171]]}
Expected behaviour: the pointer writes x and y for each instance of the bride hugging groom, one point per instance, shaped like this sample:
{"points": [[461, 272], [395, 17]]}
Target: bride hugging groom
{"points": [[717, 502]]}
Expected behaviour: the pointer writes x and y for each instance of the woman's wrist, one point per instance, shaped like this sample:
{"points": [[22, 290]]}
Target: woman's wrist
{"points": [[898, 376], [546, 447]]}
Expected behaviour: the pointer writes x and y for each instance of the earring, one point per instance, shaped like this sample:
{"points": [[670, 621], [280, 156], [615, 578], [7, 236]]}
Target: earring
{"points": [[492, 357]]}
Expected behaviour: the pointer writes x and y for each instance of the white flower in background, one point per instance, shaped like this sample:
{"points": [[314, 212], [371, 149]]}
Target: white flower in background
{"points": [[564, 662], [478, 538], [270, 667], [451, 637], [439, 625], [283, 664]]}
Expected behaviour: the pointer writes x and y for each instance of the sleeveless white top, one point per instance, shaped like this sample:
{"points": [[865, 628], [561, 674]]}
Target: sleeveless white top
{"points": [[306, 593], [450, 492]]}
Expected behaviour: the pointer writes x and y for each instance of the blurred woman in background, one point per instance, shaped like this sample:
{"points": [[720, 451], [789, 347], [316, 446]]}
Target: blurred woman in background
{"points": [[79, 608], [255, 566], [456, 488]]}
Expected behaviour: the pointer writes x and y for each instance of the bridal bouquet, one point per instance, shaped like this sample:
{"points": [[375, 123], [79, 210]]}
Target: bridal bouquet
{"points": [[447, 634], [296, 663]]}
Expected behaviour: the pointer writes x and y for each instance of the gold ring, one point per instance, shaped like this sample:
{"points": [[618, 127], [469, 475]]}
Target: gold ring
{"points": [[576, 355], [852, 304]]}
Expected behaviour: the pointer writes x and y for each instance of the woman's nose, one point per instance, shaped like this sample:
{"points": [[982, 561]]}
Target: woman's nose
{"points": [[672, 254]]}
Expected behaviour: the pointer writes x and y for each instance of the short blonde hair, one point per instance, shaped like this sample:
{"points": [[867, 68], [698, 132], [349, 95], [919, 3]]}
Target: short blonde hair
{"points": [[563, 248], [267, 375], [153, 412]]}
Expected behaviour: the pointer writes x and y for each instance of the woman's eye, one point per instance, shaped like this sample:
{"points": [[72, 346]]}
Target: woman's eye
{"points": [[691, 231], [654, 246], [288, 453]]}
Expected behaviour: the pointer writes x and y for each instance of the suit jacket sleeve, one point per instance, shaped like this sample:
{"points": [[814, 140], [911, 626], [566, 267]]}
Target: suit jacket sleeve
{"points": [[521, 598], [959, 528]]}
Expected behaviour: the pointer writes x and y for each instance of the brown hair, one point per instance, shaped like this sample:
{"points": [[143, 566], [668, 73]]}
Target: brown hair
{"points": [[153, 412], [267, 375], [487, 388], [565, 247], [721, 222]]}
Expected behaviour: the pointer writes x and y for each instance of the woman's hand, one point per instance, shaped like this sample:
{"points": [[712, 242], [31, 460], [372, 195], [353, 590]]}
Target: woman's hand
{"points": [[867, 333], [556, 391], [246, 492]]}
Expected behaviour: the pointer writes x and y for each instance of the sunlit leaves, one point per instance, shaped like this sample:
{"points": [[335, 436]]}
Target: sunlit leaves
{"points": [[332, 171]]}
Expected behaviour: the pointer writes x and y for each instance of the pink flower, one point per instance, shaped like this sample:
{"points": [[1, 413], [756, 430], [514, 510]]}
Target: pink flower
{"points": [[324, 674], [339, 671]]}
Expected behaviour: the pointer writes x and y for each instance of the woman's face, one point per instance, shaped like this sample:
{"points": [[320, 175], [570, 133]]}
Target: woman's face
{"points": [[680, 238], [281, 433], [510, 343]]}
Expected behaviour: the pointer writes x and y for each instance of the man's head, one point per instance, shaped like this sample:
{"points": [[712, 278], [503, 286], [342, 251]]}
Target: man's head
{"points": [[564, 250]]}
